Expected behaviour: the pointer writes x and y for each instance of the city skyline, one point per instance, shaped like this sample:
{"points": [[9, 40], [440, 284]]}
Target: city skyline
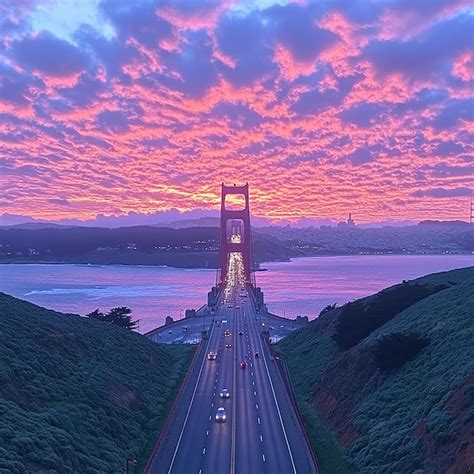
{"points": [[141, 109]]}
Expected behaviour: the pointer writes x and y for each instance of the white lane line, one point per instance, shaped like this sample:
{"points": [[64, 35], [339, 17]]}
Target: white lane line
{"points": [[254, 392], [210, 418], [207, 433], [253, 383], [256, 406], [263, 457], [278, 409], [258, 420], [212, 405], [203, 450], [261, 438], [191, 404]]}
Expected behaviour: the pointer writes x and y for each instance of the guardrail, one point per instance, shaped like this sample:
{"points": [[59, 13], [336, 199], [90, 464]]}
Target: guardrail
{"points": [[286, 379], [172, 324], [176, 402]]}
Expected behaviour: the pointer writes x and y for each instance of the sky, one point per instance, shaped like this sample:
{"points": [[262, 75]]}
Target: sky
{"points": [[135, 111]]}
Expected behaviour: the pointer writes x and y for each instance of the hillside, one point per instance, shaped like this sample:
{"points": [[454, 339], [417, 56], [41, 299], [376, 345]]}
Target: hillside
{"points": [[79, 395], [386, 383], [191, 247]]}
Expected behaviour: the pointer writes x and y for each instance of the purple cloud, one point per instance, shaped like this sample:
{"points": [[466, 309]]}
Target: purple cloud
{"points": [[443, 192], [295, 28], [48, 54]]}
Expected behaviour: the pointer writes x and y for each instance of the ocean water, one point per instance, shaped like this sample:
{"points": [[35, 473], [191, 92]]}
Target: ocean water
{"points": [[300, 287]]}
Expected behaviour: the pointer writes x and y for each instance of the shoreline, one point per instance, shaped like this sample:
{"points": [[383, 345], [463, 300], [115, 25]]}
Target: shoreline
{"points": [[144, 265]]}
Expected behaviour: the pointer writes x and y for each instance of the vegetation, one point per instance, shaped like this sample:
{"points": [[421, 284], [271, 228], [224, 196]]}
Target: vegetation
{"points": [[120, 316], [357, 320], [137, 245], [393, 350], [78, 395], [401, 398], [328, 308]]}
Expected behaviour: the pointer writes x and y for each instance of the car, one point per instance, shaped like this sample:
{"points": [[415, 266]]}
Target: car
{"points": [[226, 333], [221, 414], [241, 333], [212, 355], [237, 307], [243, 365], [228, 346], [224, 393], [230, 306], [257, 354]]}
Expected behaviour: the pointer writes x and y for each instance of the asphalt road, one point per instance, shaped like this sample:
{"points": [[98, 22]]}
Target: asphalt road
{"points": [[261, 434]]}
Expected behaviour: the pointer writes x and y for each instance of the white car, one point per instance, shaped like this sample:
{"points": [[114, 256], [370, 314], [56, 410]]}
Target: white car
{"points": [[221, 415], [224, 393], [212, 356]]}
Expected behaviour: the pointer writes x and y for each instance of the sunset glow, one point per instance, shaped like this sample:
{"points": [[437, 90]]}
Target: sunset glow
{"points": [[122, 107]]}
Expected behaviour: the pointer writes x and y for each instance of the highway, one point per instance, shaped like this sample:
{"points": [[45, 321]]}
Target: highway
{"points": [[261, 433]]}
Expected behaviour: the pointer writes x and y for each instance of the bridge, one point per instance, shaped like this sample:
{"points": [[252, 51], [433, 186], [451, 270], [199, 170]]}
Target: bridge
{"points": [[235, 412]]}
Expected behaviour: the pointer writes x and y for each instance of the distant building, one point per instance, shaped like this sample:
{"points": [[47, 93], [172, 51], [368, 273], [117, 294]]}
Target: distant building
{"points": [[190, 313], [350, 223], [169, 320]]}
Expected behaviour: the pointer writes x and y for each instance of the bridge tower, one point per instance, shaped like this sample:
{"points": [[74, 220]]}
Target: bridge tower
{"points": [[235, 221]]}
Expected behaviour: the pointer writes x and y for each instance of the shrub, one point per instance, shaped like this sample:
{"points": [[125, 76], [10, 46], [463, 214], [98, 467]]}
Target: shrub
{"points": [[357, 320], [394, 350]]}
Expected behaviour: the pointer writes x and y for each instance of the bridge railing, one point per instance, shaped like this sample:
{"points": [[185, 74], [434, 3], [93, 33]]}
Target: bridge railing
{"points": [[178, 399], [283, 371]]}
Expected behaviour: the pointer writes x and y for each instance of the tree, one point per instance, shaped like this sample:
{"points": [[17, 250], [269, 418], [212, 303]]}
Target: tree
{"points": [[96, 314], [120, 316], [328, 308]]}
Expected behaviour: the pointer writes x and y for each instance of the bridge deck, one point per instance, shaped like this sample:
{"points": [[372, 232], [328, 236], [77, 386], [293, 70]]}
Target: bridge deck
{"points": [[262, 433]]}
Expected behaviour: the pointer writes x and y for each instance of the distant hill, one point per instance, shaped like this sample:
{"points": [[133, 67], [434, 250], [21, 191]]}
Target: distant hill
{"points": [[190, 247], [36, 225], [199, 222], [445, 223], [386, 383], [79, 395]]}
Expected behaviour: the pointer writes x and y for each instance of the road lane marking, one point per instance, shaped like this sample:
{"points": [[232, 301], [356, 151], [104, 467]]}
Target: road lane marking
{"points": [[234, 402], [256, 406], [203, 450], [263, 457], [278, 408], [258, 420], [261, 438], [191, 404]]}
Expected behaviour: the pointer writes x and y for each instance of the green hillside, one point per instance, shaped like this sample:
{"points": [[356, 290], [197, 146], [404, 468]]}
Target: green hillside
{"points": [[79, 395], [386, 383]]}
